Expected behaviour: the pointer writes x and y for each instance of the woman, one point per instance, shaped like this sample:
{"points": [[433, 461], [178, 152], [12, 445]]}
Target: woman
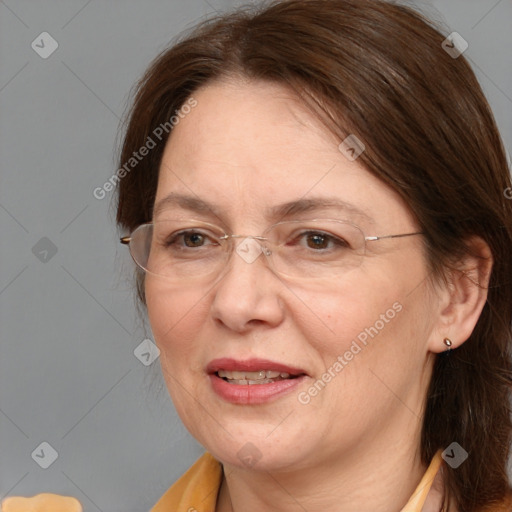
{"points": [[375, 357], [315, 196]]}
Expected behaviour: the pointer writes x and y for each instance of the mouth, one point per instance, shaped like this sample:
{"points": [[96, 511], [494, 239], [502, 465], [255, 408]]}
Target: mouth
{"points": [[250, 378], [253, 381]]}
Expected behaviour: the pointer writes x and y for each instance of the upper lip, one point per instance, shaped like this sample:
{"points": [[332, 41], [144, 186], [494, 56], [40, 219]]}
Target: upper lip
{"points": [[250, 365]]}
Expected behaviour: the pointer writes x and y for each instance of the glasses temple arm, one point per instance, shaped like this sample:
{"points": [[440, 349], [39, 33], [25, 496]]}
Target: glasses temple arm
{"points": [[373, 238]]}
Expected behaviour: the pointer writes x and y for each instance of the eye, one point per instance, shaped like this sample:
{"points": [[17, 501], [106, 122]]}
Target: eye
{"points": [[319, 240], [189, 239]]}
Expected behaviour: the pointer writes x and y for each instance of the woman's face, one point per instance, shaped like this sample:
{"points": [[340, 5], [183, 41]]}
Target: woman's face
{"points": [[359, 341]]}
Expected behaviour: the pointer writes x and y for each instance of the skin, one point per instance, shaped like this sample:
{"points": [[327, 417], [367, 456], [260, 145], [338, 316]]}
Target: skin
{"points": [[247, 146]]}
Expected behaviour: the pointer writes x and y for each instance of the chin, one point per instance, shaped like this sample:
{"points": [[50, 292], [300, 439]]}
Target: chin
{"points": [[250, 446]]}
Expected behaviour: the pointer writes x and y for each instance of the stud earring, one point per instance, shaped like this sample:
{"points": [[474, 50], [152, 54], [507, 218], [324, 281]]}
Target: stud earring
{"points": [[448, 343]]}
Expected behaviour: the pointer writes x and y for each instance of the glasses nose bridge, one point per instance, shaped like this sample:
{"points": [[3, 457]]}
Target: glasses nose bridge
{"points": [[246, 250], [253, 237]]}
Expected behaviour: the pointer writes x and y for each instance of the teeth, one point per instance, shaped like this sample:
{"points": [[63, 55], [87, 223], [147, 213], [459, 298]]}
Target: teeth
{"points": [[249, 382], [259, 377]]}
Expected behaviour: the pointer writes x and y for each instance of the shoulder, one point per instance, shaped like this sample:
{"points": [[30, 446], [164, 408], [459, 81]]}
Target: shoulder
{"points": [[196, 490], [44, 502]]}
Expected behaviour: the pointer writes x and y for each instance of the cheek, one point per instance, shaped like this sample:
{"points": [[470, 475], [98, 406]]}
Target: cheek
{"points": [[357, 310], [175, 317], [374, 319]]}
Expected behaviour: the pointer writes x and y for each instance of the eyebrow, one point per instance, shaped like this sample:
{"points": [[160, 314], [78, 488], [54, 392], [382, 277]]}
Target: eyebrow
{"points": [[277, 212]]}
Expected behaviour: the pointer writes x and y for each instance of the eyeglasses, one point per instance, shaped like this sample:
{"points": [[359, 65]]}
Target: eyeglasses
{"points": [[188, 250]]}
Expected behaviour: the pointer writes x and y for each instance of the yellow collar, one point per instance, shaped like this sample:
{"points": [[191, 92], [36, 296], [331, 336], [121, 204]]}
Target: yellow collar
{"points": [[419, 496], [197, 489]]}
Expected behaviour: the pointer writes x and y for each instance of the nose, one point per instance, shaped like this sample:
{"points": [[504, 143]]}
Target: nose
{"points": [[248, 293]]}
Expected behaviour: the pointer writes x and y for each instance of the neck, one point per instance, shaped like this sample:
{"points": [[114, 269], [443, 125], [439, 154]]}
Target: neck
{"points": [[375, 479]]}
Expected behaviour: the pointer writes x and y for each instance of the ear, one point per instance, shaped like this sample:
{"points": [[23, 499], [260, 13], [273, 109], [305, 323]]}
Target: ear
{"points": [[463, 296]]}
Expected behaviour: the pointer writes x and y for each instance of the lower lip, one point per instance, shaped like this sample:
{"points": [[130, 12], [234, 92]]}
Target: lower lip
{"points": [[253, 393]]}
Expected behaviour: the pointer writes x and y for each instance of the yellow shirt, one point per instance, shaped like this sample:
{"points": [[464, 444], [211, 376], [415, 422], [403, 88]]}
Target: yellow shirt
{"points": [[197, 489]]}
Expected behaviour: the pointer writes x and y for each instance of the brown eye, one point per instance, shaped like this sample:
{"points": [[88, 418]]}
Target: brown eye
{"points": [[319, 240], [193, 239], [188, 239]]}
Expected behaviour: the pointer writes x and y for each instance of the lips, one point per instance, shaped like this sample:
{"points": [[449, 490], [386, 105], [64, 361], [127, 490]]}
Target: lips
{"points": [[252, 381]]}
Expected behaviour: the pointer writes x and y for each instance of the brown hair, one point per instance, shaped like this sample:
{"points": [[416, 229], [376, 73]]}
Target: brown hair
{"points": [[378, 70]]}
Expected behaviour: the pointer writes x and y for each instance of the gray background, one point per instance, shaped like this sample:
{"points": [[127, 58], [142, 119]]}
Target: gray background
{"points": [[69, 328]]}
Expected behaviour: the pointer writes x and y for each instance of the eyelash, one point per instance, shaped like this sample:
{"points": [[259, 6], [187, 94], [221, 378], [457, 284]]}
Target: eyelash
{"points": [[339, 242], [171, 240]]}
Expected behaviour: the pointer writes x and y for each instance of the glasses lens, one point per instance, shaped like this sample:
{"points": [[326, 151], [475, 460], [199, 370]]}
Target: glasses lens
{"points": [[178, 249], [185, 250], [316, 248]]}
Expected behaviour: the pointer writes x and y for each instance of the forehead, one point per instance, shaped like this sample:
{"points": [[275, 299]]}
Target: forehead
{"points": [[242, 118], [250, 146]]}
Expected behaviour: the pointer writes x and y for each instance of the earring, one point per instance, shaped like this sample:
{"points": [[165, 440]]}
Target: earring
{"points": [[448, 343]]}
